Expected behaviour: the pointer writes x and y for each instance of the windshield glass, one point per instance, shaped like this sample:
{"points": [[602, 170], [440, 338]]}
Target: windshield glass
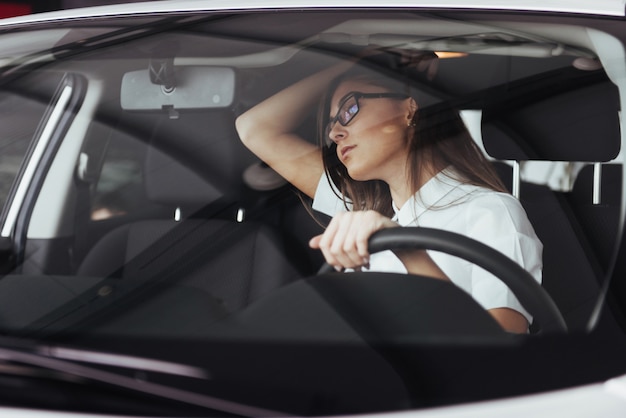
{"points": [[334, 191]]}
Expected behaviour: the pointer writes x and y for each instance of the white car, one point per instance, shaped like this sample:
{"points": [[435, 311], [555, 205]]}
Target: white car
{"points": [[153, 266]]}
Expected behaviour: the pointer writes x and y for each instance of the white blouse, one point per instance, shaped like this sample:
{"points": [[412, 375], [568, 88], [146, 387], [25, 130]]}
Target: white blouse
{"points": [[493, 218]]}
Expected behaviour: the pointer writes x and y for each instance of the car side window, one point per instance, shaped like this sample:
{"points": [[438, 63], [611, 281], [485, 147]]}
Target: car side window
{"points": [[19, 118], [115, 192], [113, 170]]}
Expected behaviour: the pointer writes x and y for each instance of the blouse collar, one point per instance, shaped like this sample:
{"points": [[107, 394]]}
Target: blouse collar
{"points": [[441, 190]]}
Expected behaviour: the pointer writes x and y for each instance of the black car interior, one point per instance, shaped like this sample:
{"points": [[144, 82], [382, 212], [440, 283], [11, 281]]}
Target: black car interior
{"points": [[193, 199], [184, 210], [569, 224], [196, 222]]}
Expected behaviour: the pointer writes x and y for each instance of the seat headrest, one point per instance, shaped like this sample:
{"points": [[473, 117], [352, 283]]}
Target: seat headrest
{"points": [[576, 125], [169, 182]]}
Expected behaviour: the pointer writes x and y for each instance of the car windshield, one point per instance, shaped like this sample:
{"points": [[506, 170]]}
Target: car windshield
{"points": [[140, 217]]}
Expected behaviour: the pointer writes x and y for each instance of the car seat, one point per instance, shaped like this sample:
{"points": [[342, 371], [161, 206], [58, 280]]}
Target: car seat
{"points": [[596, 198], [574, 125], [234, 262]]}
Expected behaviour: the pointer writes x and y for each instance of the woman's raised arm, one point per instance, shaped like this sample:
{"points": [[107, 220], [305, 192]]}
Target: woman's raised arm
{"points": [[268, 129]]}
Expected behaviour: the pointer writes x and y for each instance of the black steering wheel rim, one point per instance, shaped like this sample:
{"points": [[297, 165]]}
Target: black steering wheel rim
{"points": [[530, 294]]}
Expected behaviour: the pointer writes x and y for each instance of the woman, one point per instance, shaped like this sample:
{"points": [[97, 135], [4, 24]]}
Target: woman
{"points": [[385, 163]]}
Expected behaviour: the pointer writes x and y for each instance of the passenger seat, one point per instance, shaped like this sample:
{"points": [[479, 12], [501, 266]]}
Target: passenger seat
{"points": [[599, 219], [234, 262]]}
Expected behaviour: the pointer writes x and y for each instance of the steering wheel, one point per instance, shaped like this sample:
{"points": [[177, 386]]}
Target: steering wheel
{"points": [[531, 295]]}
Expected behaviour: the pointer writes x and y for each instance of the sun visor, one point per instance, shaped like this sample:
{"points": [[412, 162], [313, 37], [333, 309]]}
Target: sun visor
{"points": [[191, 87]]}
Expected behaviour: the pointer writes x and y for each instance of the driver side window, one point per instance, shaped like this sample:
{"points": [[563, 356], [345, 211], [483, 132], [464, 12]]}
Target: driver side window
{"points": [[20, 114]]}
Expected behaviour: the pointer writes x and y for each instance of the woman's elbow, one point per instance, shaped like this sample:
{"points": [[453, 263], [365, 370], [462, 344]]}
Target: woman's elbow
{"points": [[242, 126], [510, 320]]}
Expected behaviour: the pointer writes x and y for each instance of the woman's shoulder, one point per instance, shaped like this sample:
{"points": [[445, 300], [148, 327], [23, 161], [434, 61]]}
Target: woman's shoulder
{"points": [[481, 195], [499, 208], [484, 197], [473, 193]]}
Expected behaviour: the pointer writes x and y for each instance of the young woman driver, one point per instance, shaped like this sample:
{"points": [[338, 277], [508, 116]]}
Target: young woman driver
{"points": [[384, 163]]}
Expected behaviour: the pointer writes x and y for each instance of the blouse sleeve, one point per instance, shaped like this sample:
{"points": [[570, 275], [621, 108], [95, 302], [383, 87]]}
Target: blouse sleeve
{"points": [[502, 224], [326, 199]]}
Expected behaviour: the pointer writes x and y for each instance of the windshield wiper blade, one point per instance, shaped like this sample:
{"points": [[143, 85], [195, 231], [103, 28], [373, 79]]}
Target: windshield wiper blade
{"points": [[72, 369]]}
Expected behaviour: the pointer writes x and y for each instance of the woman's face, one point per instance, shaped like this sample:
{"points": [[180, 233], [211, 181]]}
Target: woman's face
{"points": [[373, 145]]}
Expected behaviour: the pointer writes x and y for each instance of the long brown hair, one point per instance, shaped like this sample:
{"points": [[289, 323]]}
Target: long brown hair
{"points": [[437, 137]]}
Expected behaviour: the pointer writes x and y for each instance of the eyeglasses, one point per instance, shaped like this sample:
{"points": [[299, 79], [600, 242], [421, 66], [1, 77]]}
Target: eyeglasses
{"points": [[349, 107]]}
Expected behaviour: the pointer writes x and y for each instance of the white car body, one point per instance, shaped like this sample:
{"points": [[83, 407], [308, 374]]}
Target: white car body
{"points": [[602, 399]]}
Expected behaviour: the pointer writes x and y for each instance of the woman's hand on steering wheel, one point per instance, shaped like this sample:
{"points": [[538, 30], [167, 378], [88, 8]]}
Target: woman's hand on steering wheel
{"points": [[344, 244]]}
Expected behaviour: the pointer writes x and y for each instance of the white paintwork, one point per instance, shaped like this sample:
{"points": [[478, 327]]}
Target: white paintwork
{"points": [[596, 7]]}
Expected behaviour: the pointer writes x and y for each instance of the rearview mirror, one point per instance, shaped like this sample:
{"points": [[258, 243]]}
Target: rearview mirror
{"points": [[194, 88]]}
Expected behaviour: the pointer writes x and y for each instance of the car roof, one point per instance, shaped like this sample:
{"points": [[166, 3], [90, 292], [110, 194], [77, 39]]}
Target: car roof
{"points": [[596, 7]]}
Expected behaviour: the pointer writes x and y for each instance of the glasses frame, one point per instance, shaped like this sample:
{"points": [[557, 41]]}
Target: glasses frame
{"points": [[357, 95]]}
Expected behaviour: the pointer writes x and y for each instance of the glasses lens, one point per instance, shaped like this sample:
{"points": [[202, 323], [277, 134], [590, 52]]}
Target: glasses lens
{"points": [[349, 107], [348, 110]]}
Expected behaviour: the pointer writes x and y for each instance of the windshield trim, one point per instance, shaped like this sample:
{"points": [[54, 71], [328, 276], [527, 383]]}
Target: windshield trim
{"points": [[600, 7]]}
